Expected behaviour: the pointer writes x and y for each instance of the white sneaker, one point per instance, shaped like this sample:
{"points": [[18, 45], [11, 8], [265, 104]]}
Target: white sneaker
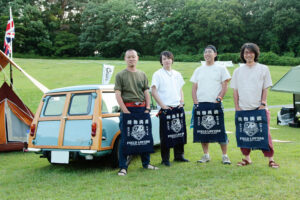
{"points": [[225, 160], [204, 159]]}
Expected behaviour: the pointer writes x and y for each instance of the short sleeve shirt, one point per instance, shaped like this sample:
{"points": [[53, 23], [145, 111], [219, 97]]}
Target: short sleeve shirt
{"points": [[209, 80], [168, 85], [132, 85], [250, 82]]}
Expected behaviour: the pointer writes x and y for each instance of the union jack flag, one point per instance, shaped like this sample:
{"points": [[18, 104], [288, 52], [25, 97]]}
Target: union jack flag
{"points": [[9, 35]]}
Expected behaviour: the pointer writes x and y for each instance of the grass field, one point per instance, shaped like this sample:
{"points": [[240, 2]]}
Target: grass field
{"points": [[26, 176]]}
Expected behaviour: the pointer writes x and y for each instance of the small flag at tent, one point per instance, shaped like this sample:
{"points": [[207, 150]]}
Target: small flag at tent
{"points": [[9, 35], [107, 72]]}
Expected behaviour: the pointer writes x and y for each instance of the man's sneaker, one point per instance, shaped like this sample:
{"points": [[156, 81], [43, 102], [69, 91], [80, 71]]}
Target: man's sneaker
{"points": [[225, 160], [151, 167], [204, 159], [122, 172]]}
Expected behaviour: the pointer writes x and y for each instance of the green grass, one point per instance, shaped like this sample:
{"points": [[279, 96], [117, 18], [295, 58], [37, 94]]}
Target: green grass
{"points": [[62, 73], [26, 176]]}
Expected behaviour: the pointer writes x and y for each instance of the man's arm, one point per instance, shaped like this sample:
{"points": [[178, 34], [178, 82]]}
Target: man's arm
{"points": [[121, 102], [157, 98], [264, 99], [224, 89], [147, 99], [194, 93], [236, 99], [181, 98]]}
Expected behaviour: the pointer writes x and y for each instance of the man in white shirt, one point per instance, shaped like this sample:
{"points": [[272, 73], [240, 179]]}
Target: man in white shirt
{"points": [[167, 91], [250, 83], [210, 85]]}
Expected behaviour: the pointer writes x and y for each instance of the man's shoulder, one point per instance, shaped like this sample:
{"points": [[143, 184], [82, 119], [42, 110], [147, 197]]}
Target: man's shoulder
{"points": [[265, 67], [124, 71]]}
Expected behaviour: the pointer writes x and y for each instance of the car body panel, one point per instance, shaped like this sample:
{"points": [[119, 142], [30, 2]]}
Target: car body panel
{"points": [[65, 116]]}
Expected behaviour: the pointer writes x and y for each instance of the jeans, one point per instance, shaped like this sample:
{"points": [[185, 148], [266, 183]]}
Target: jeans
{"points": [[145, 157]]}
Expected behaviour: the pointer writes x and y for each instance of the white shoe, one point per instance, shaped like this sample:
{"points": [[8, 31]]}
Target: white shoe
{"points": [[225, 160], [204, 159]]}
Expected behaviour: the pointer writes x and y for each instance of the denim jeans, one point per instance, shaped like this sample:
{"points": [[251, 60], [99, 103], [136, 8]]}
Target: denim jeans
{"points": [[145, 157]]}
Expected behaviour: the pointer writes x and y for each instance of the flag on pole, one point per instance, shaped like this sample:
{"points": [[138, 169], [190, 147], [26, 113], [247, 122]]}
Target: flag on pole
{"points": [[9, 35], [107, 72]]}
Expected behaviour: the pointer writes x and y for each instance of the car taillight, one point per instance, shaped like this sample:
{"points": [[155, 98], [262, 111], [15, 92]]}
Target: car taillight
{"points": [[32, 130], [94, 128]]}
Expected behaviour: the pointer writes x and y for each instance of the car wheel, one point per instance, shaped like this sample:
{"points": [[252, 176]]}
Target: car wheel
{"points": [[115, 154]]}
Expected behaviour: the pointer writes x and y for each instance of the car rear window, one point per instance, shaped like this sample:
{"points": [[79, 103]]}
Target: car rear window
{"points": [[55, 105], [109, 103], [80, 104]]}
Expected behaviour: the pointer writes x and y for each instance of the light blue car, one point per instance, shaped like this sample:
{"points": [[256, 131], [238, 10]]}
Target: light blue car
{"points": [[80, 121]]}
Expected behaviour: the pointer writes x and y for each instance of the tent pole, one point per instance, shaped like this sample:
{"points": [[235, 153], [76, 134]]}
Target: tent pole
{"points": [[11, 75]]}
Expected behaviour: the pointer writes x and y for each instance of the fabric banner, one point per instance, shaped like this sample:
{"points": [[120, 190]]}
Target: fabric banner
{"points": [[252, 129], [107, 72], [174, 127], [209, 123], [137, 137]]}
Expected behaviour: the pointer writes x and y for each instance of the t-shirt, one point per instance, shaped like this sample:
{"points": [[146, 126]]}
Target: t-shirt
{"points": [[132, 85], [209, 80], [168, 85], [249, 82]]}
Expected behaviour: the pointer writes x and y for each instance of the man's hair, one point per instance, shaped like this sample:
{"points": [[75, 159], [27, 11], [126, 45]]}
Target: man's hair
{"points": [[167, 54], [213, 48], [252, 48], [129, 51]]}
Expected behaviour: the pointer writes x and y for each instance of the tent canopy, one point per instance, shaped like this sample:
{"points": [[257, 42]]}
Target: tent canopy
{"points": [[290, 82], [15, 117]]}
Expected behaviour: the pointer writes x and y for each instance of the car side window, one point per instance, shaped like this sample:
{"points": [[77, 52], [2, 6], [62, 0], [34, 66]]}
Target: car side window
{"points": [[80, 104], [109, 103], [55, 105]]}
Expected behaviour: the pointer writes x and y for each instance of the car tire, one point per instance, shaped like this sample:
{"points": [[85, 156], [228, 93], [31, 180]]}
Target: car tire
{"points": [[115, 153]]}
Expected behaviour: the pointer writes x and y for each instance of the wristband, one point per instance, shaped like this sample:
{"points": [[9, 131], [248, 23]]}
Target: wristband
{"points": [[148, 109]]}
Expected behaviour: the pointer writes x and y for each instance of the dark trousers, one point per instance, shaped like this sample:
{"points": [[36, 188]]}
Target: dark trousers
{"points": [[164, 150], [145, 157]]}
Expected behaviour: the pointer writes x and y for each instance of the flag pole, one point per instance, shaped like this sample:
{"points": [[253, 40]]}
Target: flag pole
{"points": [[11, 52]]}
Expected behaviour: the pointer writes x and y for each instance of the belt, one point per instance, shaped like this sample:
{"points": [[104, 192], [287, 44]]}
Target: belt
{"points": [[135, 104]]}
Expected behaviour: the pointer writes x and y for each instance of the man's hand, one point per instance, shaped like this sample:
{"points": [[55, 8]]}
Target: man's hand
{"points": [[165, 107], [126, 111], [261, 107], [237, 108]]}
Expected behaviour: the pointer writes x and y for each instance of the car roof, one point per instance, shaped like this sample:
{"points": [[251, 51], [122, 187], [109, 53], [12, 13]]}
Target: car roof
{"points": [[81, 88]]}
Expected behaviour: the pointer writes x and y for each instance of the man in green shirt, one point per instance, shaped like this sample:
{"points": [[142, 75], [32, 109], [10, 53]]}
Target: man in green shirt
{"points": [[131, 88]]}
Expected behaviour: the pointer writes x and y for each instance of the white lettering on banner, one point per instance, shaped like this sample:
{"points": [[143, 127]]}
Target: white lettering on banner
{"points": [[251, 139], [208, 132], [176, 135], [138, 143]]}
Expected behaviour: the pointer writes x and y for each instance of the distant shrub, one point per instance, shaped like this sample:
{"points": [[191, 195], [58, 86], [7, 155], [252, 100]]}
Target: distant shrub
{"points": [[234, 57]]}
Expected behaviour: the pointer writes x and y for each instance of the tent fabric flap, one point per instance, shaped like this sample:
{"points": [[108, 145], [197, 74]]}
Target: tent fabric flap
{"points": [[16, 128], [2, 123], [19, 113], [290, 82]]}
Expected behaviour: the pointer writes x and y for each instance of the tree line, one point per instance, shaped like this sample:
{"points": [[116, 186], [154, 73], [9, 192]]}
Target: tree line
{"points": [[108, 27]]}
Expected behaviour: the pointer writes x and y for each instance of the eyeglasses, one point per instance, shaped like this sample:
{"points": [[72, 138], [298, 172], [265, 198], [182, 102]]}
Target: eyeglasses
{"points": [[208, 52]]}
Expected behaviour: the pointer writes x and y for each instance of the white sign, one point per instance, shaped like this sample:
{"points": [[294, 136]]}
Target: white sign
{"points": [[107, 72], [223, 63]]}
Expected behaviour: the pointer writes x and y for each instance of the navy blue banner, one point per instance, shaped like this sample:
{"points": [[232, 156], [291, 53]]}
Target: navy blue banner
{"points": [[209, 123], [137, 137], [252, 129], [174, 127]]}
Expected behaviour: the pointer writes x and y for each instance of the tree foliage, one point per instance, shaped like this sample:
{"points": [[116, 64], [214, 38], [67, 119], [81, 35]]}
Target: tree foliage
{"points": [[109, 27]]}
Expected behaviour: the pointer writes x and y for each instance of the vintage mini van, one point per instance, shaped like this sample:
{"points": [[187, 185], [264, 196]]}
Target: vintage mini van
{"points": [[79, 121]]}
